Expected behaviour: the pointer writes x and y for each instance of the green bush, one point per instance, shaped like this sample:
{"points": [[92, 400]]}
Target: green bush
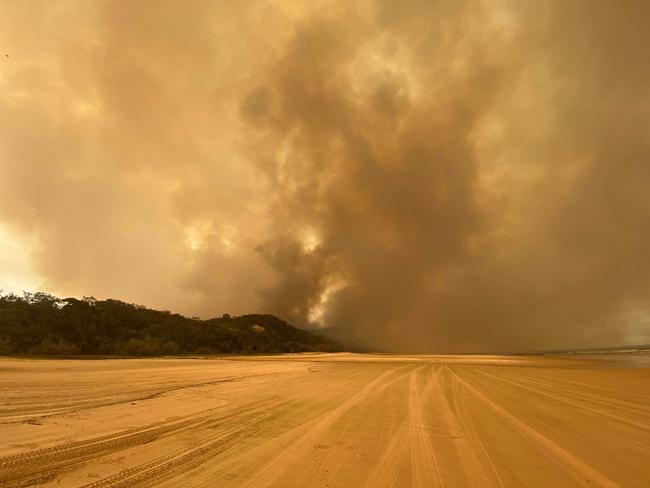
{"points": [[46, 325]]}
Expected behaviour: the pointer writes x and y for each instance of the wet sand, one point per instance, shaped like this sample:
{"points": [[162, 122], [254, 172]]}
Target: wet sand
{"points": [[337, 420]]}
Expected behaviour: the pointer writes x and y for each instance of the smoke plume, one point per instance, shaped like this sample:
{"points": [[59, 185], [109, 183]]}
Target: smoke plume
{"points": [[430, 176]]}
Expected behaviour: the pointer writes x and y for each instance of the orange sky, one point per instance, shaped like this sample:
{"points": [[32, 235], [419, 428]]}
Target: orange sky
{"points": [[432, 176]]}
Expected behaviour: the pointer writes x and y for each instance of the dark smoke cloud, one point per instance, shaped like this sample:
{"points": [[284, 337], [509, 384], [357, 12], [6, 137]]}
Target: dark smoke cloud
{"points": [[431, 176]]}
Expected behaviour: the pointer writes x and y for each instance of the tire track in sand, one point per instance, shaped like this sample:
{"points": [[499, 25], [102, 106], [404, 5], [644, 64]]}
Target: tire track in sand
{"points": [[27, 468], [278, 465], [468, 445], [424, 464], [264, 446], [182, 460], [412, 431], [388, 466], [574, 466], [574, 399], [146, 473], [581, 407]]}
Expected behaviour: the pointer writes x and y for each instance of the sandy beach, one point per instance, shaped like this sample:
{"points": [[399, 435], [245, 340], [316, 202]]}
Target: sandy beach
{"points": [[325, 420]]}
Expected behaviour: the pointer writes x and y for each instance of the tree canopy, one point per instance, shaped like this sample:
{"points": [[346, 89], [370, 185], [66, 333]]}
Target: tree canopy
{"points": [[42, 324]]}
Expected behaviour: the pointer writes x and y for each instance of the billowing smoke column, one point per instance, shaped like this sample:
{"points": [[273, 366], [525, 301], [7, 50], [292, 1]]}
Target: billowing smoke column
{"points": [[476, 175], [430, 176]]}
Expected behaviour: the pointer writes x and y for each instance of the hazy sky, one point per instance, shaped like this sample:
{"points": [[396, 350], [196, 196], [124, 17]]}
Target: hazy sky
{"points": [[430, 175]]}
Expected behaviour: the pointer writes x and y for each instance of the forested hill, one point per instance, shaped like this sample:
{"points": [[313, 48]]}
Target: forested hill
{"points": [[42, 324]]}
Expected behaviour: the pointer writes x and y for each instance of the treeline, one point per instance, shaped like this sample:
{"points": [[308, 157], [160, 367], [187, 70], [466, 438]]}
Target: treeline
{"points": [[42, 324]]}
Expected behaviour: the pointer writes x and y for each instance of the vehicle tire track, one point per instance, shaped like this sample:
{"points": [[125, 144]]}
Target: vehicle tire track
{"points": [[581, 407], [411, 431], [269, 473], [462, 431], [41, 410], [620, 405], [563, 398], [195, 453], [265, 447], [187, 458], [23, 469], [424, 464], [388, 466], [574, 466], [595, 388]]}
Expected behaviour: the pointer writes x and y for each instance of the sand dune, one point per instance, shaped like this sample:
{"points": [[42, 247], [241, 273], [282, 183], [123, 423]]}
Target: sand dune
{"points": [[336, 420]]}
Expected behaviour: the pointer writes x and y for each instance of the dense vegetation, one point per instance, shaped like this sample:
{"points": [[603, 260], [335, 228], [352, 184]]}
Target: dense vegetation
{"points": [[42, 324]]}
